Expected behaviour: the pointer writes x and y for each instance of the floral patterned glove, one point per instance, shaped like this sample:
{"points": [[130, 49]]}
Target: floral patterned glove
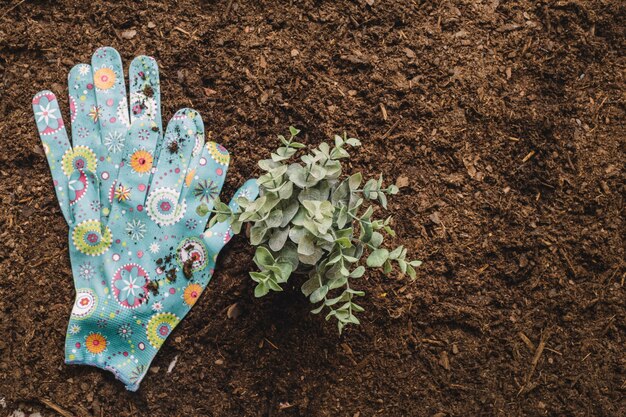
{"points": [[139, 269], [99, 120]]}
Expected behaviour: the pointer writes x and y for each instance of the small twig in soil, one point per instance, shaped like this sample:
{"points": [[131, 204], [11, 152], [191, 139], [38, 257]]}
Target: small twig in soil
{"points": [[388, 132], [528, 156], [567, 261], [533, 366], [527, 341], [55, 407], [271, 344], [181, 30], [383, 110], [22, 1]]}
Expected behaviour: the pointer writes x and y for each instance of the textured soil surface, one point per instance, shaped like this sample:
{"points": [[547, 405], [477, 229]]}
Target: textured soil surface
{"points": [[504, 121]]}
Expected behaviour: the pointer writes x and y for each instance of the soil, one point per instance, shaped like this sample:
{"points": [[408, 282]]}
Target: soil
{"points": [[505, 123]]}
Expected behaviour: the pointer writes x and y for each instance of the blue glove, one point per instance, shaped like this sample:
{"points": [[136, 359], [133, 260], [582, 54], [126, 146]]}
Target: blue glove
{"points": [[99, 120], [139, 268]]}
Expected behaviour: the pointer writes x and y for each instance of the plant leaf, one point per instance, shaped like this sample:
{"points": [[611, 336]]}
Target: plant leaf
{"points": [[260, 290], [306, 246], [319, 294], [310, 285], [357, 272], [278, 238], [377, 258], [263, 257]]}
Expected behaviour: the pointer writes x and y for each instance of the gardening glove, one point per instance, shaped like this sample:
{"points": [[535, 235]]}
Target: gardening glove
{"points": [[136, 277], [99, 120], [155, 256]]}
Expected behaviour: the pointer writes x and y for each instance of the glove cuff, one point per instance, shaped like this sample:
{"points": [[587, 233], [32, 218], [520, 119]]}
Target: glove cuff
{"points": [[111, 343]]}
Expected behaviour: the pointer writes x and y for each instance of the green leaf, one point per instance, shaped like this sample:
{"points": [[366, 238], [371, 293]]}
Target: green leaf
{"points": [[202, 210], [306, 246], [415, 263], [370, 185], [344, 242], [350, 259], [289, 253], [275, 218], [355, 181], [366, 229], [387, 267], [342, 217], [318, 310], [352, 319], [324, 148], [357, 308], [353, 142], [333, 169], [339, 153], [278, 158], [317, 171], [293, 131], [289, 211], [318, 193], [376, 239], [260, 290], [357, 272], [411, 272], [383, 200], [258, 276], [310, 285], [278, 238], [389, 231], [296, 234], [263, 257], [298, 175], [286, 190], [312, 259], [368, 213], [337, 283], [273, 285], [396, 252], [282, 270], [278, 171], [257, 234], [332, 301], [340, 194], [268, 164], [377, 258], [319, 294]]}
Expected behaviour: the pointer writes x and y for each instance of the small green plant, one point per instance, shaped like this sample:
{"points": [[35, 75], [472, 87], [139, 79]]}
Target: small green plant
{"points": [[311, 219]]}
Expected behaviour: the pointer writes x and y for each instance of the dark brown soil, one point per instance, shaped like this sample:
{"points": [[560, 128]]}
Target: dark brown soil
{"points": [[507, 119]]}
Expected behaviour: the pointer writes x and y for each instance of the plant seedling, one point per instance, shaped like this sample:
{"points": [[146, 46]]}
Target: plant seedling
{"points": [[310, 218]]}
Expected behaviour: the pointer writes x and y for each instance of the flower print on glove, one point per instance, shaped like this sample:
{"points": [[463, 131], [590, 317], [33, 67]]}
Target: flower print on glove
{"points": [[140, 269], [100, 119]]}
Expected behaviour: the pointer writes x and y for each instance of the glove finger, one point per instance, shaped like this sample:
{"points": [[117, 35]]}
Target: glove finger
{"points": [[108, 80], [137, 166], [185, 133], [56, 144], [84, 194], [217, 236], [83, 107], [145, 90], [88, 235], [203, 184]]}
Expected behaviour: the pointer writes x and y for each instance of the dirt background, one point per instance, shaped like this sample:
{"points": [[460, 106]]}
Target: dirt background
{"points": [[507, 119]]}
